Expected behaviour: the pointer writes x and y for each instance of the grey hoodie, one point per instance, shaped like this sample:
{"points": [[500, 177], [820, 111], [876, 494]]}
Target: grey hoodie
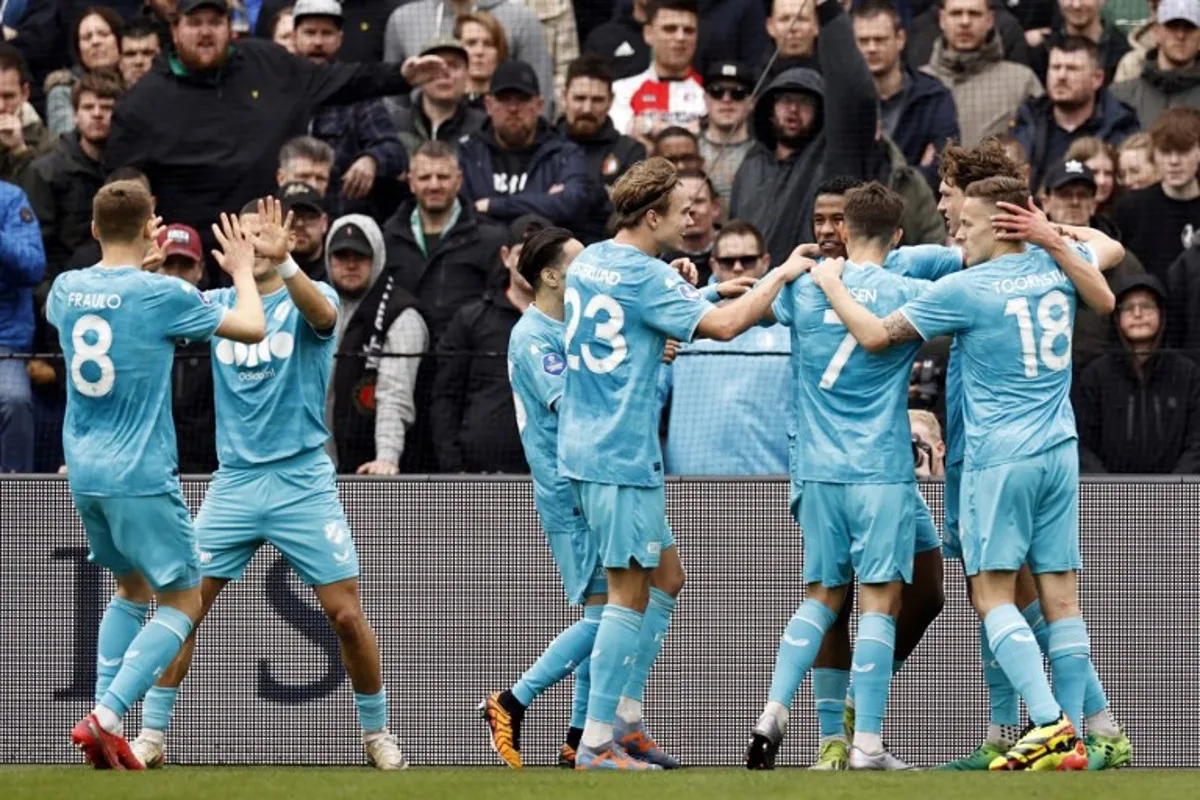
{"points": [[415, 24], [395, 408]]}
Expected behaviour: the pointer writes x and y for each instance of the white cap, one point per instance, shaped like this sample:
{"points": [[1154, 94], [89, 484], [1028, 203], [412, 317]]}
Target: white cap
{"points": [[322, 8], [1186, 10]]}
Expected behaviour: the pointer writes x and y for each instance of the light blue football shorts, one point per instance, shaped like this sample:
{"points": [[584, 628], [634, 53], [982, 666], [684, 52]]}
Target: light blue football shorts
{"points": [[627, 523], [863, 529], [150, 535]]}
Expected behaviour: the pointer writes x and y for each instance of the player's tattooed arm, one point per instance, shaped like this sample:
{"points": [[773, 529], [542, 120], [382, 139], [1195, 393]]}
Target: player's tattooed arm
{"points": [[872, 333], [899, 329]]}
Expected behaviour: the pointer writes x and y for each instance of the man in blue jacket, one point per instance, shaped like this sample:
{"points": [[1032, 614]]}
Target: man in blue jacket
{"points": [[22, 263], [518, 164]]}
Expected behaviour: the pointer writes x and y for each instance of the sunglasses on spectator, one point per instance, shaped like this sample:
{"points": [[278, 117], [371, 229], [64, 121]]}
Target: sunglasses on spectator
{"points": [[738, 93], [1130, 307], [729, 262]]}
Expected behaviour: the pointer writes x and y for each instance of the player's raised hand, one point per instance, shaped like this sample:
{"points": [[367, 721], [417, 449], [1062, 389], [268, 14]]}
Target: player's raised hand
{"points": [[797, 264], [828, 270], [670, 350], [419, 70], [1028, 224], [687, 269], [274, 237], [155, 254], [237, 251], [736, 287]]}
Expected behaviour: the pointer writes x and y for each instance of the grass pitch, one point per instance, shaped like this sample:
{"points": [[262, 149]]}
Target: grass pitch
{"points": [[300, 783]]}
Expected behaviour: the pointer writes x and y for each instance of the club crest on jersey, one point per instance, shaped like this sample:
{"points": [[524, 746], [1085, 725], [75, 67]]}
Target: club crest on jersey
{"points": [[688, 292], [553, 364]]}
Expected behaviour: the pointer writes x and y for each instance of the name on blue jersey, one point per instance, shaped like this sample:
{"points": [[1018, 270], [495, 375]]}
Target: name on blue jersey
{"points": [[93, 300], [864, 296], [1024, 283], [592, 272]]}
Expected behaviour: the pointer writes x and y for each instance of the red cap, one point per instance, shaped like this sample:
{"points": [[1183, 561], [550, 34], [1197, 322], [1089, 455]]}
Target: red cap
{"points": [[180, 240]]}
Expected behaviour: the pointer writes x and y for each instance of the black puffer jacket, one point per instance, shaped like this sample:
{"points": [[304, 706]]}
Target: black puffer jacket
{"points": [[1139, 420]]}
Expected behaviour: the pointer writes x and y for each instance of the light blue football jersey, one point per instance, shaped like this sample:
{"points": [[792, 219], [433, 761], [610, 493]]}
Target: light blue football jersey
{"points": [[118, 328], [536, 367], [270, 396], [1014, 317], [853, 426], [621, 307]]}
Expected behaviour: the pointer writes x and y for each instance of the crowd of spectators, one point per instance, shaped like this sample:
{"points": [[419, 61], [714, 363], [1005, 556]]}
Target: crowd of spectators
{"points": [[417, 143]]}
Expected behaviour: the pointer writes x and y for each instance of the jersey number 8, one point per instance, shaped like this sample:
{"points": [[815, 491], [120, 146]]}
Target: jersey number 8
{"points": [[96, 353], [608, 332], [1052, 328]]}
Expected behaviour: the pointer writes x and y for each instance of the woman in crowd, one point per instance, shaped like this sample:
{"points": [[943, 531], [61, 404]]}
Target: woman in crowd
{"points": [[1135, 166], [95, 45], [487, 48], [1101, 159]]}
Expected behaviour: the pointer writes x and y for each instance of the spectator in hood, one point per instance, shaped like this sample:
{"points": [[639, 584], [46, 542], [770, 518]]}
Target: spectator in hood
{"points": [[415, 23], [1138, 410], [969, 59], [586, 102], [364, 26], [310, 223], [140, 45], [518, 164], [725, 138], [1076, 104], [1084, 19], [1170, 74], [1071, 200], [368, 156], [917, 110], [380, 335], [205, 153], [95, 47], [62, 183], [192, 404], [22, 262], [439, 109], [23, 137], [474, 420], [802, 138]]}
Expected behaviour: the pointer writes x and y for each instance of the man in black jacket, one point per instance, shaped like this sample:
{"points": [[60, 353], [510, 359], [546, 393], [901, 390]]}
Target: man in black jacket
{"points": [[1138, 410], [365, 24], [802, 138], [206, 123], [474, 420], [518, 164], [439, 109], [62, 183], [587, 99]]}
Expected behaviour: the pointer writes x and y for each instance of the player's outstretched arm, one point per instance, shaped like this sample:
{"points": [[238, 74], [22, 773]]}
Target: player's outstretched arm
{"points": [[1030, 224], [872, 333], [272, 242], [727, 321], [245, 322]]}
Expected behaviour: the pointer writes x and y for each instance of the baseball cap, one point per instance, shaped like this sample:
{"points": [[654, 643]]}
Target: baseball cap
{"points": [[188, 6], [1186, 10], [317, 8], [1072, 171], [525, 226], [443, 43], [180, 240], [297, 194], [729, 71], [515, 76], [351, 237]]}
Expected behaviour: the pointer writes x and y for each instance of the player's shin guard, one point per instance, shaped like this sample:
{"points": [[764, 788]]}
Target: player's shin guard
{"points": [[148, 655], [568, 650], [798, 649], [873, 655], [158, 708], [612, 659], [650, 641], [829, 695], [1071, 665], [372, 710], [1016, 649], [121, 623], [1005, 710]]}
